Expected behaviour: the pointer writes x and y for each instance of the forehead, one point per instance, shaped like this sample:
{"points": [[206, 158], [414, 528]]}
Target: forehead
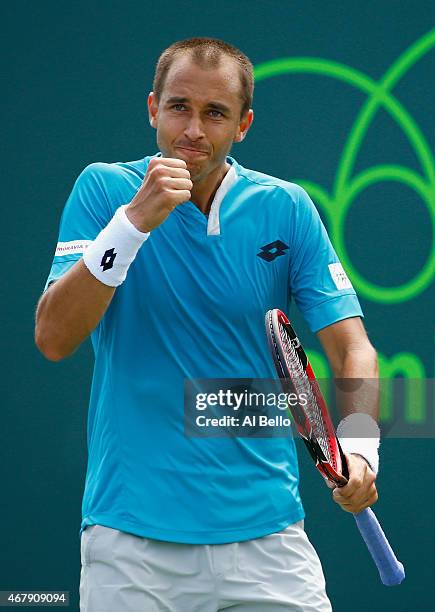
{"points": [[188, 79]]}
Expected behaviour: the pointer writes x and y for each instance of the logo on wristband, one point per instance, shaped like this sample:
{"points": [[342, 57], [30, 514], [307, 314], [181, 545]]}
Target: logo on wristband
{"points": [[108, 259]]}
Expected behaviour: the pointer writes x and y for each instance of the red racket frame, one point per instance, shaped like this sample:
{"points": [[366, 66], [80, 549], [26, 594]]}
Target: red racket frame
{"points": [[335, 471]]}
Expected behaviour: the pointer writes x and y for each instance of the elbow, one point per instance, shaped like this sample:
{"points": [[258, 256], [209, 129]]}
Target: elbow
{"points": [[46, 346], [374, 355], [46, 349], [371, 354], [361, 361], [52, 355], [45, 333]]}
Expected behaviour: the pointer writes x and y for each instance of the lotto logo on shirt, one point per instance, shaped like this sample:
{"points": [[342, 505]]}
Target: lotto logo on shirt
{"points": [[271, 251]]}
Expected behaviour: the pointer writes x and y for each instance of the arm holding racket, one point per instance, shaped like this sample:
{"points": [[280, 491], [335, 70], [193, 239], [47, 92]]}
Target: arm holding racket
{"points": [[352, 357], [351, 473]]}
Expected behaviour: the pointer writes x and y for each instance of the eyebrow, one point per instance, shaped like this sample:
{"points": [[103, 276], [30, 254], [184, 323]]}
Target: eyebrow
{"points": [[215, 105]]}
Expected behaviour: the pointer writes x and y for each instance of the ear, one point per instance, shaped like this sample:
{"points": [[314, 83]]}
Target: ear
{"points": [[244, 125], [152, 109]]}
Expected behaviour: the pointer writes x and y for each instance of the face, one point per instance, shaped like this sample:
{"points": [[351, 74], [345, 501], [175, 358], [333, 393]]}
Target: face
{"points": [[198, 115]]}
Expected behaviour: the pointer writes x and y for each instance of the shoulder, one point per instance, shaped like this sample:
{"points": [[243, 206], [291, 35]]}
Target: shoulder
{"points": [[101, 187], [109, 183], [279, 189], [113, 171]]}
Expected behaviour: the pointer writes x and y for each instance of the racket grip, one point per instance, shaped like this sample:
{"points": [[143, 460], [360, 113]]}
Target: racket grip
{"points": [[390, 569]]}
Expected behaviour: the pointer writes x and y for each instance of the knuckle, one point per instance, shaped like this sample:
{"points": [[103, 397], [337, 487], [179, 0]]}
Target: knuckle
{"points": [[162, 182], [154, 166], [370, 474], [158, 170], [357, 482]]}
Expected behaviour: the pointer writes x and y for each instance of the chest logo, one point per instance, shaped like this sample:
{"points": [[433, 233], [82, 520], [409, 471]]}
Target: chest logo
{"points": [[271, 251]]}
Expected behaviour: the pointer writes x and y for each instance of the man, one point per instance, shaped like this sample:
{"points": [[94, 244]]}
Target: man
{"points": [[162, 261]]}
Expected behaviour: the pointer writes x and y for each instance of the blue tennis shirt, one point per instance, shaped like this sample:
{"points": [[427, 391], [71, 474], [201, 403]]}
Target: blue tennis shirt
{"points": [[193, 306]]}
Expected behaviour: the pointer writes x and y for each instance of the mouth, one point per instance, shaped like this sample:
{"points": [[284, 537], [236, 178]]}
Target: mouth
{"points": [[191, 152]]}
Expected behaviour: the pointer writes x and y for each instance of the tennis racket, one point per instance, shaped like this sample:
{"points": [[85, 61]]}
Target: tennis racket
{"points": [[315, 427]]}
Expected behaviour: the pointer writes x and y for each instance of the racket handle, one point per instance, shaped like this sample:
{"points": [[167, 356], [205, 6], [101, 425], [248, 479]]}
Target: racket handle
{"points": [[390, 569]]}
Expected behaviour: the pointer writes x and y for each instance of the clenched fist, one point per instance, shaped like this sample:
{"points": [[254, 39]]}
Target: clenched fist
{"points": [[360, 492], [165, 185]]}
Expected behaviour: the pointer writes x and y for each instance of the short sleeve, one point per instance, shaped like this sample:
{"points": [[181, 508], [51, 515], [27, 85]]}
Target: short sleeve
{"points": [[318, 283], [87, 211]]}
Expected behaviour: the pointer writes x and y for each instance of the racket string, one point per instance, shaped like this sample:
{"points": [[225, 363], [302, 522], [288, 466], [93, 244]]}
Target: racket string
{"points": [[302, 385]]}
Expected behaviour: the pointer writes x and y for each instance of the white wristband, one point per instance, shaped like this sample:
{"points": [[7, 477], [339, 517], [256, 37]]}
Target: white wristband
{"points": [[359, 433], [109, 256]]}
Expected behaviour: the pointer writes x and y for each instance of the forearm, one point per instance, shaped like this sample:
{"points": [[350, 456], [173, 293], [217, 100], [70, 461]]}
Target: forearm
{"points": [[358, 399], [357, 384], [69, 311], [354, 363], [355, 366]]}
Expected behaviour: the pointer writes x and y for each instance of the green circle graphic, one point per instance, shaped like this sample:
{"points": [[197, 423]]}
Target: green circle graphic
{"points": [[346, 187]]}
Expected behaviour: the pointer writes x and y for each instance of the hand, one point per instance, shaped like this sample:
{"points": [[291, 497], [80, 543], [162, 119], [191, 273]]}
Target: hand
{"points": [[166, 184], [360, 492]]}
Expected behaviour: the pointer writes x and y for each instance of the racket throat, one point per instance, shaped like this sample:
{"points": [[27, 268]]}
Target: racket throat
{"points": [[323, 465], [344, 468], [314, 449]]}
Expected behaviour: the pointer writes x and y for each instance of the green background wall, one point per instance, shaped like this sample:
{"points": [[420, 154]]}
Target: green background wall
{"points": [[77, 76]]}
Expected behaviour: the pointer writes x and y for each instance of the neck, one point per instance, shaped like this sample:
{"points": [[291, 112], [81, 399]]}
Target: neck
{"points": [[203, 190]]}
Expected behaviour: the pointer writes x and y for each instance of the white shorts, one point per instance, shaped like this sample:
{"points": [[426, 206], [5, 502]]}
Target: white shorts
{"points": [[122, 572]]}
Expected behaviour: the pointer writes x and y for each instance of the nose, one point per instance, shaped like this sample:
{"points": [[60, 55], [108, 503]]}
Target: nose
{"points": [[194, 129]]}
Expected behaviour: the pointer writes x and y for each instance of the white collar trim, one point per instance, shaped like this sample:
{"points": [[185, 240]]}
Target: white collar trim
{"points": [[213, 225]]}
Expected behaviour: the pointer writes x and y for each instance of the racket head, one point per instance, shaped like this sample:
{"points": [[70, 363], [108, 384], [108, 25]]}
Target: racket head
{"points": [[312, 420]]}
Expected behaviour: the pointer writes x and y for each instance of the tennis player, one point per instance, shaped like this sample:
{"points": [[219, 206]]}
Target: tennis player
{"points": [[170, 263]]}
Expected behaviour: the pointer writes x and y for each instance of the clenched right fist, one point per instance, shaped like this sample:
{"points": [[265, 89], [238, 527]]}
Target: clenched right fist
{"points": [[165, 185]]}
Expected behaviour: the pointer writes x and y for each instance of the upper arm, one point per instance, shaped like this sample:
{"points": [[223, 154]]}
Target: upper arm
{"points": [[86, 212], [318, 284], [345, 338]]}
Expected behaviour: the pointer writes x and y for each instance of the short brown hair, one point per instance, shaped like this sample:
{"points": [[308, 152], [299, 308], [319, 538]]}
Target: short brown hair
{"points": [[207, 52]]}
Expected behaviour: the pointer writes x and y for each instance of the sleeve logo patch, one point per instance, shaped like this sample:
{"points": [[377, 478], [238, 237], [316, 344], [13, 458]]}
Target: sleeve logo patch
{"points": [[73, 247], [339, 276]]}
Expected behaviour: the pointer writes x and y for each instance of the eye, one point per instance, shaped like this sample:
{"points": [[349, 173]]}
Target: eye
{"points": [[215, 114], [178, 107]]}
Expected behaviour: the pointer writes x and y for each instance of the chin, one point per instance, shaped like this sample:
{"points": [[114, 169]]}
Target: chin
{"points": [[196, 170], [195, 175]]}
